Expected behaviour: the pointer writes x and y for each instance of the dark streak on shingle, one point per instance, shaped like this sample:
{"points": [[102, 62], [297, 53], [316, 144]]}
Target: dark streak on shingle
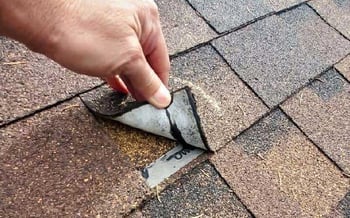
{"points": [[344, 205], [261, 137], [328, 85], [201, 192]]}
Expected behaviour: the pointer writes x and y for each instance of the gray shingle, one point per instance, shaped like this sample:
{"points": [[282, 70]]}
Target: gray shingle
{"points": [[279, 54], [335, 12], [224, 15]]}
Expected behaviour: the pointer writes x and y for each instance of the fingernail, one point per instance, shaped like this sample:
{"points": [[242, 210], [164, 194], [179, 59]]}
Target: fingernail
{"points": [[161, 98]]}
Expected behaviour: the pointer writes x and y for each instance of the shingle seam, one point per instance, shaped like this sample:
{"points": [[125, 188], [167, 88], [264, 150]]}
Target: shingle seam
{"points": [[149, 197], [341, 75], [325, 21], [47, 107], [219, 36], [234, 29], [313, 143], [228, 185], [202, 17], [311, 80], [266, 114], [291, 7], [242, 80]]}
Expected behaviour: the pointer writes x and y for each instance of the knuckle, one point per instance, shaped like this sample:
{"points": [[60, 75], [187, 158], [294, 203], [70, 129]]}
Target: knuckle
{"points": [[130, 57], [133, 55], [152, 8]]}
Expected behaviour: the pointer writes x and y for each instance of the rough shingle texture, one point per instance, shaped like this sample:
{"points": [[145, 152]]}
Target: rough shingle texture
{"points": [[60, 163], [182, 27], [335, 12], [199, 193], [344, 67], [322, 112], [279, 54], [141, 147], [30, 81], [227, 14], [224, 15], [290, 177], [344, 205], [225, 105]]}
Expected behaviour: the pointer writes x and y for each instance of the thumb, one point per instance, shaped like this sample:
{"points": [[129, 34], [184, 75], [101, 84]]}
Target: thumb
{"points": [[143, 82]]}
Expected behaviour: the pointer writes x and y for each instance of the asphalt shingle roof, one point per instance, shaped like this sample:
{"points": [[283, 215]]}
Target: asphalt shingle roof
{"points": [[271, 79]]}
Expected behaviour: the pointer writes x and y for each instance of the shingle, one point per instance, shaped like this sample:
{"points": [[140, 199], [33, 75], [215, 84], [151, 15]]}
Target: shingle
{"points": [[142, 148], [61, 163], [290, 178], [344, 67], [224, 15], [225, 105], [322, 112], [227, 14], [34, 82], [335, 12], [199, 193], [279, 5], [344, 205], [279, 54], [182, 27]]}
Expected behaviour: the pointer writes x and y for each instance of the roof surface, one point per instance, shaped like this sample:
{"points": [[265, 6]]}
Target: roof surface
{"points": [[272, 84]]}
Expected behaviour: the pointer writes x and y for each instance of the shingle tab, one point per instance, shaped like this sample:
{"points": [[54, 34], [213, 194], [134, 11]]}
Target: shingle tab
{"points": [[199, 193], [322, 112], [225, 105], [61, 163], [182, 27], [344, 67], [224, 15], [228, 14], [335, 12], [279, 54], [30, 81], [290, 178]]}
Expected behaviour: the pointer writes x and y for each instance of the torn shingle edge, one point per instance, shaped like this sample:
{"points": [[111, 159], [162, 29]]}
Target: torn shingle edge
{"points": [[179, 121]]}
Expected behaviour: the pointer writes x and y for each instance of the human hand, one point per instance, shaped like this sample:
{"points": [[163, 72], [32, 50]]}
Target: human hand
{"points": [[118, 40]]}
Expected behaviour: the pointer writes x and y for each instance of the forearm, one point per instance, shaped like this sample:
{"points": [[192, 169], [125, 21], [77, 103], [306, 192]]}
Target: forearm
{"points": [[31, 22]]}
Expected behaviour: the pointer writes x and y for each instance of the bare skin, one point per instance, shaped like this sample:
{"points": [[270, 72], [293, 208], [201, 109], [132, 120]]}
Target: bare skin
{"points": [[118, 40]]}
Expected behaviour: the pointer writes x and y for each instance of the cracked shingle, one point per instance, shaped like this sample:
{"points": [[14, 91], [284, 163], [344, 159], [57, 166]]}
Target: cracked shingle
{"points": [[224, 104]]}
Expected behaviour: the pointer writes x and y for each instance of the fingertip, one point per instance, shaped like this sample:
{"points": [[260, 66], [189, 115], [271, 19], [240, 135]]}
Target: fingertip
{"points": [[161, 98]]}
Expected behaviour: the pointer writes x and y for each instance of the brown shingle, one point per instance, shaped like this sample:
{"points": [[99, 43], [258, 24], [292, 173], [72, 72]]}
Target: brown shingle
{"points": [[291, 178], [225, 105], [30, 81], [322, 112], [182, 27], [344, 67], [60, 162]]}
